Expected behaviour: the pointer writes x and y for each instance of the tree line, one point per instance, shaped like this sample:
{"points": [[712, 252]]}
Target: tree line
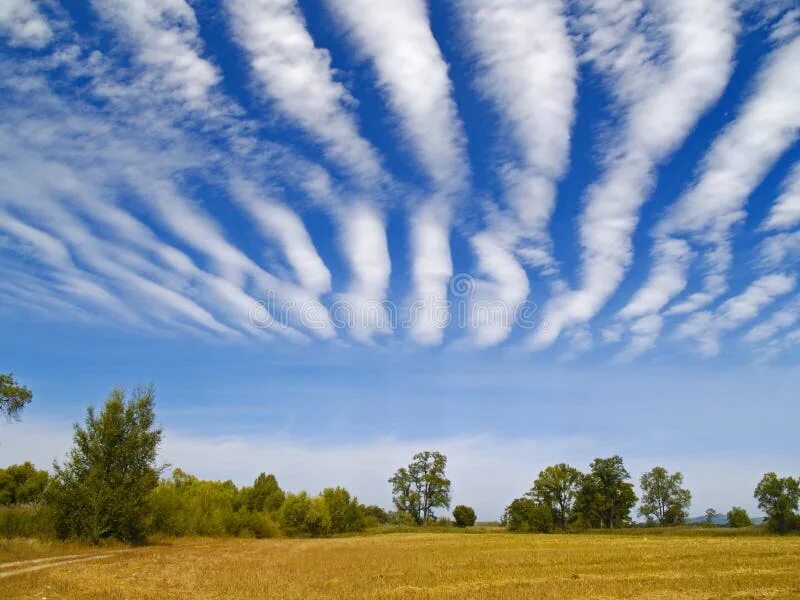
{"points": [[111, 486]]}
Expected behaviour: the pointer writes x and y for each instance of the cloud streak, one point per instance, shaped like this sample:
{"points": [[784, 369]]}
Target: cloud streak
{"points": [[412, 73], [528, 70], [667, 64]]}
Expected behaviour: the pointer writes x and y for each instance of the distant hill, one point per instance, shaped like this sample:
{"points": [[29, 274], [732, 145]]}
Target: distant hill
{"points": [[719, 520]]}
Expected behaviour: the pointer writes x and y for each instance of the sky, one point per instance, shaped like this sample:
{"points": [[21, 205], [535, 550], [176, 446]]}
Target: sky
{"points": [[333, 234]]}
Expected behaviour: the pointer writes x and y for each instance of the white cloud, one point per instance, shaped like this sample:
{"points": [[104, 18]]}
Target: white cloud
{"points": [[528, 70], [667, 279], [644, 334], [739, 158], [785, 212], [165, 37], [706, 327], [767, 125], [363, 238], [23, 24], [410, 69], [777, 322], [298, 77], [662, 92], [279, 222]]}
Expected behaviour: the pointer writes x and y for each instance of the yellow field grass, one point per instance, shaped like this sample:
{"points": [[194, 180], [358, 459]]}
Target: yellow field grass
{"points": [[429, 565]]}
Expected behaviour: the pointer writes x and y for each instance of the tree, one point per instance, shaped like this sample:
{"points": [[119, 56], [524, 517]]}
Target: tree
{"points": [[464, 516], [526, 514], [376, 513], [101, 490], [557, 486], [22, 484], [265, 495], [422, 486], [13, 396], [664, 500], [738, 517], [779, 497], [345, 512], [304, 515], [609, 497], [711, 514]]}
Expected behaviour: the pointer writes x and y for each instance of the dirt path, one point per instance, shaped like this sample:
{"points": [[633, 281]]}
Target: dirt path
{"points": [[37, 564]]}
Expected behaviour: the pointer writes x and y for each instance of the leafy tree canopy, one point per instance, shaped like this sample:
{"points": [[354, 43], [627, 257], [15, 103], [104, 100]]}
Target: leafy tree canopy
{"points": [[779, 497], [464, 516], [422, 486], [664, 500], [738, 517], [22, 484], [557, 487], [13, 396], [101, 490]]}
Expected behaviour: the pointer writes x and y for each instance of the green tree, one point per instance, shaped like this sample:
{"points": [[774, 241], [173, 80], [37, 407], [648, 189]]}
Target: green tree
{"points": [[526, 514], [345, 512], [557, 486], [293, 513], [610, 495], [13, 396], [422, 486], [663, 499], [376, 513], [738, 517], [778, 497], [101, 490], [264, 495], [22, 484], [588, 506], [710, 516], [464, 516]]}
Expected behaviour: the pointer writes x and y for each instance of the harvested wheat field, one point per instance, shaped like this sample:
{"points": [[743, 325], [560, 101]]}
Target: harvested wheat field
{"points": [[491, 565]]}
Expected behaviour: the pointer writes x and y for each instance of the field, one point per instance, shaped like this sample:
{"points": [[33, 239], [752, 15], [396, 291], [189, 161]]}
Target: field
{"points": [[403, 565]]}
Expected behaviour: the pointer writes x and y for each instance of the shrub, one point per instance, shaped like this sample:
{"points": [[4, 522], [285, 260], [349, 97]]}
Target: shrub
{"points": [[525, 514], [738, 517], [345, 512], [27, 521], [379, 515], [317, 522], [464, 516], [22, 484], [293, 513]]}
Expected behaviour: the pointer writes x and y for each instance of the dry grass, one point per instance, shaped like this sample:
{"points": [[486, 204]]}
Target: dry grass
{"points": [[431, 565], [23, 549]]}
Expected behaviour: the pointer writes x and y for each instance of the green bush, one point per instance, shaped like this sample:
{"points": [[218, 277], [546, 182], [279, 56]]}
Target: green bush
{"points": [[30, 521], [22, 484], [738, 517], [464, 516], [525, 514], [346, 514]]}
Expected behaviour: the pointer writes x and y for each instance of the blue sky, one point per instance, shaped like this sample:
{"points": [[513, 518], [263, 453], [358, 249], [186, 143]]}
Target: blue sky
{"points": [[524, 231]]}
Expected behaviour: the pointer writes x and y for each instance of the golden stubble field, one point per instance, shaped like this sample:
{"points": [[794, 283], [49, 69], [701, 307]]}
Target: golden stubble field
{"points": [[413, 565]]}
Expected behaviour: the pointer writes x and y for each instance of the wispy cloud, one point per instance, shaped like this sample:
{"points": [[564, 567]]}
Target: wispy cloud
{"points": [[767, 125], [297, 76], [165, 38], [785, 212], [411, 71], [528, 69], [23, 25], [666, 64], [706, 327]]}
